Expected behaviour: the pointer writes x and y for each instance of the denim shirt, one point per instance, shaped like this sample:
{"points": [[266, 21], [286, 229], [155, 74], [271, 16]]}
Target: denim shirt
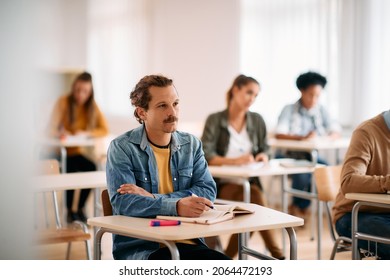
{"points": [[131, 160], [296, 120]]}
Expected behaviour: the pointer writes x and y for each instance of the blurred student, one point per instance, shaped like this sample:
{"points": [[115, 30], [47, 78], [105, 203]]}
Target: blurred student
{"points": [[237, 136], [305, 119], [153, 169], [77, 113], [366, 169]]}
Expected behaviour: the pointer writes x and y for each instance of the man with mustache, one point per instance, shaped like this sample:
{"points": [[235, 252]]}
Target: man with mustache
{"points": [[152, 169]]}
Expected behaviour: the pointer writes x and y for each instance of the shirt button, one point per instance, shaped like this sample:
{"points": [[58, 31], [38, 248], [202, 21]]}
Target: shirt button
{"points": [[191, 174], [146, 179], [174, 179]]}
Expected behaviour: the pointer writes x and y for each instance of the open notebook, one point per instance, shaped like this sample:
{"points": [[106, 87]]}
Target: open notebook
{"points": [[219, 214]]}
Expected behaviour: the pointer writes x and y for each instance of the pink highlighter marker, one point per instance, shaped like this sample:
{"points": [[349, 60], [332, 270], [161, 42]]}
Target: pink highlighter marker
{"points": [[161, 223]]}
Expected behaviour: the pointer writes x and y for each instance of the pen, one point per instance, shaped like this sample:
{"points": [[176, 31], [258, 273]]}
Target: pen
{"points": [[161, 223], [194, 195]]}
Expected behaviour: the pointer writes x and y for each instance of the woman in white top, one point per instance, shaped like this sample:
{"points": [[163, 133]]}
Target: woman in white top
{"points": [[237, 136]]}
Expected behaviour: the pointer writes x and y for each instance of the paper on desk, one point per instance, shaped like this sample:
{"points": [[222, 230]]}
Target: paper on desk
{"points": [[254, 165]]}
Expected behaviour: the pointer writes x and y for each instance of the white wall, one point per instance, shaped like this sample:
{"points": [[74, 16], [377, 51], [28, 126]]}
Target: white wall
{"points": [[62, 34], [365, 60], [19, 84], [197, 44]]}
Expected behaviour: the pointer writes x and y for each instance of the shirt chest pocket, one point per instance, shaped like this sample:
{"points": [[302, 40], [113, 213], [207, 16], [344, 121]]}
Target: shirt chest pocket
{"points": [[185, 177], [142, 179]]}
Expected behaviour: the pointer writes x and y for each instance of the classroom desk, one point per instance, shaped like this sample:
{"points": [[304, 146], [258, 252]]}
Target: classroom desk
{"points": [[263, 219], [273, 168], [68, 142], [71, 181], [318, 143], [312, 146], [366, 199]]}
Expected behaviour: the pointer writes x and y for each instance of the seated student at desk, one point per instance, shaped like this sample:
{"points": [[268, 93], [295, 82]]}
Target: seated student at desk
{"points": [[303, 120], [78, 114], [237, 136], [366, 169], [151, 170]]}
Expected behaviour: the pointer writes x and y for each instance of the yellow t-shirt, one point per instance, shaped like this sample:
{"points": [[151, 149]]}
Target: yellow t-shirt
{"points": [[164, 171], [165, 184]]}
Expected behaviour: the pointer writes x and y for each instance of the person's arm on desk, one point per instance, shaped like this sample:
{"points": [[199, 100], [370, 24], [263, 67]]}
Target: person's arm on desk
{"points": [[282, 136], [244, 159], [190, 206]]}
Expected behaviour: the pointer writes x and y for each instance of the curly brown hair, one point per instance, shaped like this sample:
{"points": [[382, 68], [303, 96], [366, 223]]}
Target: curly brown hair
{"points": [[140, 96]]}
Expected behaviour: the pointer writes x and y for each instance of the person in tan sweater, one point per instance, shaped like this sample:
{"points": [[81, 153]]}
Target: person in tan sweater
{"points": [[366, 169], [77, 113]]}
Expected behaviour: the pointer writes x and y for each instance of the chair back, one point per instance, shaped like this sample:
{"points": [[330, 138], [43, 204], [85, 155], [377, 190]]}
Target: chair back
{"points": [[77, 231], [106, 204], [327, 181]]}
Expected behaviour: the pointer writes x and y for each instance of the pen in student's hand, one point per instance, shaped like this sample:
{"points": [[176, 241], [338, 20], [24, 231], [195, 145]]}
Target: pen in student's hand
{"points": [[160, 223], [194, 195]]}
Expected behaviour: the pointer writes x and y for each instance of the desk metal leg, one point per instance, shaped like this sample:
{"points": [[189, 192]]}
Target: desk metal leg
{"points": [[96, 195], [284, 206], [314, 158], [247, 198], [63, 170], [244, 250], [319, 228], [364, 236], [98, 243], [293, 243], [63, 159], [355, 211], [173, 249], [97, 246], [247, 191]]}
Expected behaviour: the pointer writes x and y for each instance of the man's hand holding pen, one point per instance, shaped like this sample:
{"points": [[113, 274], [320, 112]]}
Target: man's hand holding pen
{"points": [[193, 206]]}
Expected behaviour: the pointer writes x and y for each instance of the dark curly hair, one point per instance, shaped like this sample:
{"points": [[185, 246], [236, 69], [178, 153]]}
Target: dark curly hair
{"points": [[310, 79], [140, 96]]}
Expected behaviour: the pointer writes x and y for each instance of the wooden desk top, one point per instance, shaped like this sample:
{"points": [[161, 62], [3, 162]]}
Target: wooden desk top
{"points": [[263, 219], [319, 143], [370, 197], [70, 181], [271, 169]]}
